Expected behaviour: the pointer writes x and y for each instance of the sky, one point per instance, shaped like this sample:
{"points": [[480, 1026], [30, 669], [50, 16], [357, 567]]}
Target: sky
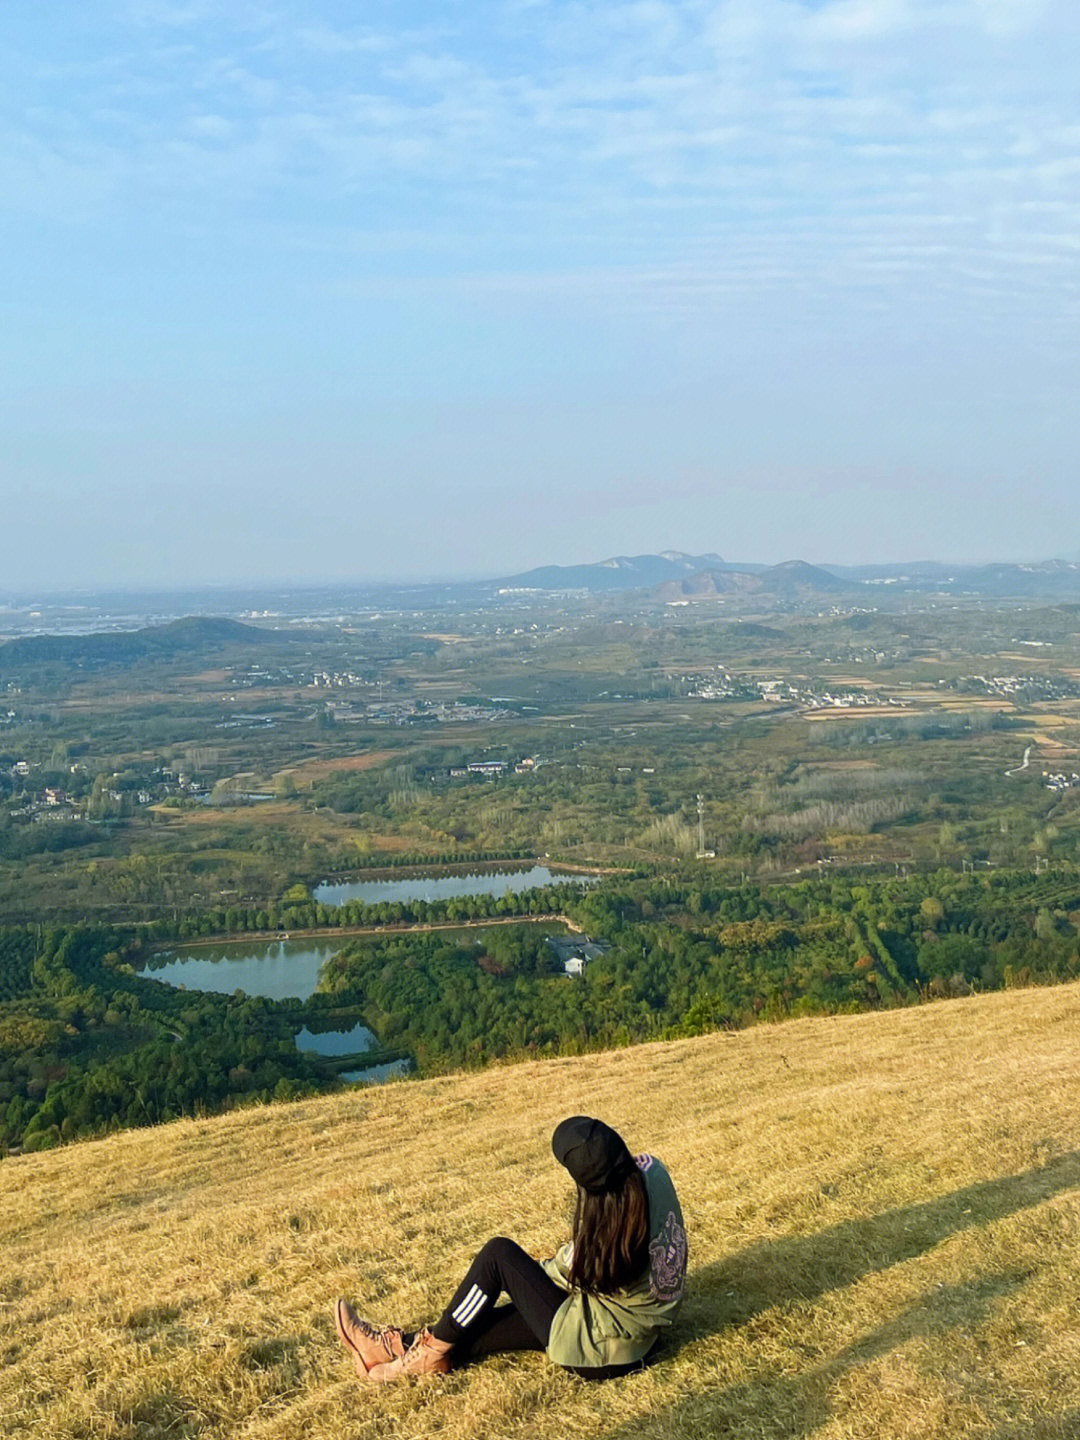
{"points": [[312, 292]]}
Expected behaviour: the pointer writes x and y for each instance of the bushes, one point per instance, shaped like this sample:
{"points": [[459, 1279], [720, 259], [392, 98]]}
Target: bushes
{"points": [[96, 1047], [16, 961]]}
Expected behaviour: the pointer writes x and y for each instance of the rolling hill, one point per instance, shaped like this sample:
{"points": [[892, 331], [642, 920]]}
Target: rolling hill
{"points": [[883, 1214], [192, 634]]}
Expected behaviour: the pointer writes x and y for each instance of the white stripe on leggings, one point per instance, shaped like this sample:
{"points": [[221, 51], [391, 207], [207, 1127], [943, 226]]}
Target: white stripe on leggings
{"points": [[466, 1306], [470, 1307], [473, 1308], [464, 1303]]}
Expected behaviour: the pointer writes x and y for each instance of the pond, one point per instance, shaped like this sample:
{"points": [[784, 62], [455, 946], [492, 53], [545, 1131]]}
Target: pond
{"points": [[447, 887], [276, 969], [289, 969], [390, 1070], [353, 1041], [336, 1042]]}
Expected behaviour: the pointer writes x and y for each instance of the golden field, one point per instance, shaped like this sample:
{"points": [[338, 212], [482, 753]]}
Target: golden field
{"points": [[883, 1214]]}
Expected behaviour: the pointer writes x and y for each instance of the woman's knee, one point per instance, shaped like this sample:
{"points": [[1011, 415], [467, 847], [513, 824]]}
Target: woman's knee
{"points": [[498, 1247]]}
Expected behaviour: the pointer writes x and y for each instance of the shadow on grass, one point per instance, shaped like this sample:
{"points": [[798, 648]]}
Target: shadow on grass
{"points": [[1058, 1427], [792, 1406], [800, 1269]]}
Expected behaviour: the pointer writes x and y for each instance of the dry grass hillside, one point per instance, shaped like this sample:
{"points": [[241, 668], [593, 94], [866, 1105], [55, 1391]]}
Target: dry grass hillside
{"points": [[883, 1214]]}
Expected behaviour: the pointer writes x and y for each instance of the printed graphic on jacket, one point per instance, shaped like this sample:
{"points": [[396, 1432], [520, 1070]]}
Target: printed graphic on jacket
{"points": [[667, 1261]]}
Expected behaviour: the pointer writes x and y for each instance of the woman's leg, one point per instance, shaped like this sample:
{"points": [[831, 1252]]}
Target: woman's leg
{"points": [[501, 1332], [501, 1267]]}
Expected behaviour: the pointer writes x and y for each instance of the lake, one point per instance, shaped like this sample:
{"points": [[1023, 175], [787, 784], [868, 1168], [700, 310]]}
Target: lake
{"points": [[447, 887], [279, 970], [289, 969], [276, 969]]}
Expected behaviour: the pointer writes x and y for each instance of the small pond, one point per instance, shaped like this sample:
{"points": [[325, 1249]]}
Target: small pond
{"points": [[391, 1070], [353, 1041], [336, 1042]]}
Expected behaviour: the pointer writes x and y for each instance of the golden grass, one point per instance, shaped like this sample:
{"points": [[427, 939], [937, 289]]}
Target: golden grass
{"points": [[272, 811], [325, 826], [860, 712], [883, 1214], [1059, 747], [307, 772]]}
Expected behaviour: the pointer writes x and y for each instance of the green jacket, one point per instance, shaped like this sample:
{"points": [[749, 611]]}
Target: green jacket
{"points": [[620, 1328]]}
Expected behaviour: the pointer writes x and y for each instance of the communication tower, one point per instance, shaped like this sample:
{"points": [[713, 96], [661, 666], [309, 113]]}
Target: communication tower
{"points": [[702, 853]]}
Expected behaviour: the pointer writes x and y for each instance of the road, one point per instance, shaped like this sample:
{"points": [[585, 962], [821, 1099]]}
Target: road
{"points": [[1023, 765]]}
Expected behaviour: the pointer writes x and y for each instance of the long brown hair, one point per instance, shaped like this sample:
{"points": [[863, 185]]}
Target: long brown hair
{"points": [[611, 1236]]}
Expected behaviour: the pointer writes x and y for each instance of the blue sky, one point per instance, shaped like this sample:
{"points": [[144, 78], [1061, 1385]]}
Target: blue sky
{"points": [[325, 291]]}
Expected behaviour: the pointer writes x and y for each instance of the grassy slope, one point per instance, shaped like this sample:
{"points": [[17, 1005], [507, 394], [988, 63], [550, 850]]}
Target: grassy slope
{"points": [[883, 1214]]}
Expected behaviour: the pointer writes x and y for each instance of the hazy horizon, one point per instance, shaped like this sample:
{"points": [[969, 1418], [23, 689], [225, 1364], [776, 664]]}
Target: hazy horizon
{"points": [[297, 297], [270, 586]]}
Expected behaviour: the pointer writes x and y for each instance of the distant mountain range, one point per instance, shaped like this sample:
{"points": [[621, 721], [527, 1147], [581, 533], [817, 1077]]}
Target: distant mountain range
{"points": [[674, 575], [623, 572], [125, 629]]}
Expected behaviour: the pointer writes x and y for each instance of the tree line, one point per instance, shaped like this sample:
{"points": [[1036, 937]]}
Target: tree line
{"points": [[88, 1044]]}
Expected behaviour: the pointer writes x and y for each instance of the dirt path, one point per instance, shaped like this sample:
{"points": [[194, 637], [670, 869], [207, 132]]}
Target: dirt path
{"points": [[329, 932]]}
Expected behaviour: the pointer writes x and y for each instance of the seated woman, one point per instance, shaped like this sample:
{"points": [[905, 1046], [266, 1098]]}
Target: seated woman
{"points": [[596, 1307]]}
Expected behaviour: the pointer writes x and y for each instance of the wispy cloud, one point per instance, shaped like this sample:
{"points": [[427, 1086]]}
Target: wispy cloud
{"points": [[604, 106], [720, 199]]}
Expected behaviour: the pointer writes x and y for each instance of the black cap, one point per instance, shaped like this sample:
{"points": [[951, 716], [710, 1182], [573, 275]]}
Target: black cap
{"points": [[595, 1155]]}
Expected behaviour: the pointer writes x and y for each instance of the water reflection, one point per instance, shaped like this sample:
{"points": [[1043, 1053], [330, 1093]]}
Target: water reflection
{"points": [[391, 1070], [276, 969], [336, 1042], [446, 887]]}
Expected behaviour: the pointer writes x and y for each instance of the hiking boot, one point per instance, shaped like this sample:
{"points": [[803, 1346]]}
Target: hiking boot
{"points": [[425, 1356], [369, 1345]]}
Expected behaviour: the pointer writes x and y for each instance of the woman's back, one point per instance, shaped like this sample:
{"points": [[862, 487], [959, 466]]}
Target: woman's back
{"points": [[620, 1327]]}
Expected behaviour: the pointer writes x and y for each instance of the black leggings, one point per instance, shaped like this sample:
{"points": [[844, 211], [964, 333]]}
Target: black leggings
{"points": [[476, 1326]]}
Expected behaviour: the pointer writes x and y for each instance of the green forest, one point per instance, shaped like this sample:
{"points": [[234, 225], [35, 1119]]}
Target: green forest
{"points": [[814, 809], [87, 1044]]}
